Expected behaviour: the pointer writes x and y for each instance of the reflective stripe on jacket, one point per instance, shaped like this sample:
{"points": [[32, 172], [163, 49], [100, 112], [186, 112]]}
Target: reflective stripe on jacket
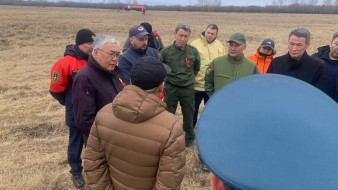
{"points": [[208, 52]]}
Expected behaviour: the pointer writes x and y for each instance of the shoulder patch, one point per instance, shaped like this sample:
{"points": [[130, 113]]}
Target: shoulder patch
{"points": [[56, 76]]}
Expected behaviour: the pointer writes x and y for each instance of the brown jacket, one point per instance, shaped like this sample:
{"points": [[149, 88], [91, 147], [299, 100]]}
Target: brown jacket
{"points": [[135, 143]]}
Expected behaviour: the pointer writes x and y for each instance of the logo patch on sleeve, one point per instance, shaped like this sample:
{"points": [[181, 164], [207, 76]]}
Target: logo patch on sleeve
{"points": [[56, 76]]}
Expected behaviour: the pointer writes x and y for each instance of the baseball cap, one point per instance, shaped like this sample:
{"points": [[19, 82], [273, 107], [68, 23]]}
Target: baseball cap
{"points": [[148, 72], [268, 43], [138, 31], [238, 38]]}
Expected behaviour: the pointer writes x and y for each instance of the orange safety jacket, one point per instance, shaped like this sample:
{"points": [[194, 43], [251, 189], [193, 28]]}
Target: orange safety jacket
{"points": [[261, 61]]}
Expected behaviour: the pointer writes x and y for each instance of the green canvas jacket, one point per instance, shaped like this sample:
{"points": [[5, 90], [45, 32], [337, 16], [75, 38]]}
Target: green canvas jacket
{"points": [[223, 70], [184, 64]]}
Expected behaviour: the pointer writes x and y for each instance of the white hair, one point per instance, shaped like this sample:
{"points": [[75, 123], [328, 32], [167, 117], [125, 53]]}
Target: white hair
{"points": [[100, 41]]}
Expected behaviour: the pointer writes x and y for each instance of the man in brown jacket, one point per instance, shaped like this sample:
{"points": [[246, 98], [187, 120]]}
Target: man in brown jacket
{"points": [[134, 142]]}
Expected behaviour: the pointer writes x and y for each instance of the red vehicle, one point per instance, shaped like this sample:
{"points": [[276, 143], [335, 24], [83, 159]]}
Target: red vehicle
{"points": [[136, 8]]}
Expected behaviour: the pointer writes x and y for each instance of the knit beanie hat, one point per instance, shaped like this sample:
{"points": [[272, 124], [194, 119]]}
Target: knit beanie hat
{"points": [[84, 36], [147, 26]]}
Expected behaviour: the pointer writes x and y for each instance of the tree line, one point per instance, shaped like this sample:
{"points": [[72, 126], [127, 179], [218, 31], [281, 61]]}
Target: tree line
{"points": [[276, 6]]}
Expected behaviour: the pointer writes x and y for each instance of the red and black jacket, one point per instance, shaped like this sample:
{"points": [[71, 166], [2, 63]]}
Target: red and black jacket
{"points": [[62, 75]]}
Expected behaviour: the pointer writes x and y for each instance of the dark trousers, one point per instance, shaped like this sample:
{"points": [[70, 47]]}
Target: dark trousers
{"points": [[75, 145], [184, 95], [199, 96]]}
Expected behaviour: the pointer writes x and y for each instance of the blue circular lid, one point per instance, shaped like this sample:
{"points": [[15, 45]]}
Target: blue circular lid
{"points": [[271, 132]]}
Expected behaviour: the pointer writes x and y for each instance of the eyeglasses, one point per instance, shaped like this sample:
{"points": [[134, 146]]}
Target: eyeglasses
{"points": [[112, 53]]}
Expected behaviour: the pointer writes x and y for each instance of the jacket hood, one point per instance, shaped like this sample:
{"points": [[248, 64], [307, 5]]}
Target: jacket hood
{"points": [[203, 36], [74, 51], [322, 50], [135, 105]]}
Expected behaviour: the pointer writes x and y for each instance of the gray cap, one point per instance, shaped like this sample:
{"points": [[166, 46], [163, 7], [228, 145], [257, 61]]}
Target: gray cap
{"points": [[268, 43], [138, 31]]}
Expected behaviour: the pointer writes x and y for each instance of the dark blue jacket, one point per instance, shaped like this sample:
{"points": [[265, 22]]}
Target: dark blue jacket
{"points": [[129, 57], [332, 70]]}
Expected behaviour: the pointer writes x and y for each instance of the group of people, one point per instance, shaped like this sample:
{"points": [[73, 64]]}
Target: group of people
{"points": [[114, 107]]}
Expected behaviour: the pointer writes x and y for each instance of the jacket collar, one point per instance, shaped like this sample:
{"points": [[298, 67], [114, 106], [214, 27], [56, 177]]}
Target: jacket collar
{"points": [[135, 105], [95, 65], [323, 50], [204, 40], [178, 47], [138, 51], [257, 54], [74, 51], [236, 60], [295, 61]]}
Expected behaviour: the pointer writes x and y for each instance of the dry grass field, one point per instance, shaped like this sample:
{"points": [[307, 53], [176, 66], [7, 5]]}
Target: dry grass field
{"points": [[33, 136]]}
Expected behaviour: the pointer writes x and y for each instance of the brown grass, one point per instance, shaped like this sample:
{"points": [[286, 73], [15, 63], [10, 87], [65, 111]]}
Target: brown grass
{"points": [[33, 136]]}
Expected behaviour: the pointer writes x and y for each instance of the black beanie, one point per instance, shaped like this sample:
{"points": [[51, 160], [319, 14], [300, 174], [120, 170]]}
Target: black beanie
{"points": [[84, 36], [147, 26]]}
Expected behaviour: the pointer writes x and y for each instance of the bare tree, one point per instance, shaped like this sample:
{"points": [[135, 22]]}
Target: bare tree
{"points": [[327, 2], [135, 2], [217, 3], [280, 3], [313, 3], [209, 3], [202, 2], [295, 2]]}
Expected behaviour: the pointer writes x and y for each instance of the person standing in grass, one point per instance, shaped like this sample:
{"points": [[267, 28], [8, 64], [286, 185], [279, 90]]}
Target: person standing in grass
{"points": [[62, 75], [184, 61], [139, 37], [209, 48], [228, 68], [154, 40], [264, 55], [97, 84], [298, 64], [134, 142], [224, 70]]}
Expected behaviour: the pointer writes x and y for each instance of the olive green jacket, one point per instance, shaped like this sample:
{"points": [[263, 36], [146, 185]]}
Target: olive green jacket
{"points": [[225, 69], [184, 64]]}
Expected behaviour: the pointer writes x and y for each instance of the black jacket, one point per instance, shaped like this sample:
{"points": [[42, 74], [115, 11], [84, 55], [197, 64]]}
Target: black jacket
{"points": [[93, 88], [307, 69]]}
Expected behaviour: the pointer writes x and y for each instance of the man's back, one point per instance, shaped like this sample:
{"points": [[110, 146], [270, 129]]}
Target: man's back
{"points": [[142, 144]]}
